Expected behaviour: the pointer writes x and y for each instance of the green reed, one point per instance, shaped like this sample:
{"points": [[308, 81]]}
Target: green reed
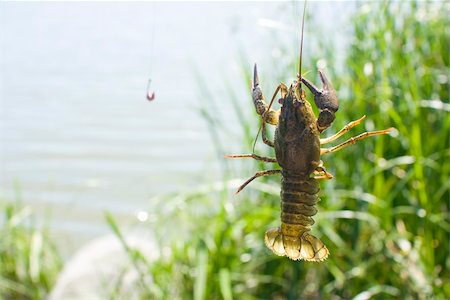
{"points": [[29, 262]]}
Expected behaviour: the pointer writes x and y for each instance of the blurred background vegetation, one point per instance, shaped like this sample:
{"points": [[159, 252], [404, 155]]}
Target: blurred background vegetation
{"points": [[29, 260], [384, 217]]}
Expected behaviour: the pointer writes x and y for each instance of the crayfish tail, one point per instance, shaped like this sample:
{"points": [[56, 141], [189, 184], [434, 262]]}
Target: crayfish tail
{"points": [[305, 247]]}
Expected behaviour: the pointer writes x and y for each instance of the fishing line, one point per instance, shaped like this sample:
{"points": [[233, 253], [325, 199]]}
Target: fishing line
{"points": [[151, 93], [301, 48]]}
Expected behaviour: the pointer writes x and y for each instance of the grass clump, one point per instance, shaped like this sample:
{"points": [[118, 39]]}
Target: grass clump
{"points": [[29, 262]]}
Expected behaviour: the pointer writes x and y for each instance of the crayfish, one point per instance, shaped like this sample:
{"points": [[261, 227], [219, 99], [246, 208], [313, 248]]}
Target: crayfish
{"points": [[297, 145]]}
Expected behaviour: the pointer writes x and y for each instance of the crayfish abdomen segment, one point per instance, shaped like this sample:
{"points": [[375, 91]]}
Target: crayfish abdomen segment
{"points": [[292, 239]]}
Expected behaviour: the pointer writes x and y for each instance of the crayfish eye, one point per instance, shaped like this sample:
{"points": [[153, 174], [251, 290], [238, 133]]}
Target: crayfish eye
{"points": [[280, 101]]}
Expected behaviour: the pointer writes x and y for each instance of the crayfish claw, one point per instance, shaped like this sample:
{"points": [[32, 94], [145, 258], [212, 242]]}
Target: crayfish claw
{"points": [[329, 99], [311, 87], [255, 77], [257, 96], [326, 98], [326, 84]]}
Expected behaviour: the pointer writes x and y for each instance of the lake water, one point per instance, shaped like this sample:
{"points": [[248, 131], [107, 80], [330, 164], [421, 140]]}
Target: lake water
{"points": [[78, 136]]}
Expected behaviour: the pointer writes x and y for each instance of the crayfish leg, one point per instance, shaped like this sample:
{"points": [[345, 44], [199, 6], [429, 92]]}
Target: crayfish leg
{"points": [[254, 156], [258, 174], [321, 173], [355, 139], [342, 131]]}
